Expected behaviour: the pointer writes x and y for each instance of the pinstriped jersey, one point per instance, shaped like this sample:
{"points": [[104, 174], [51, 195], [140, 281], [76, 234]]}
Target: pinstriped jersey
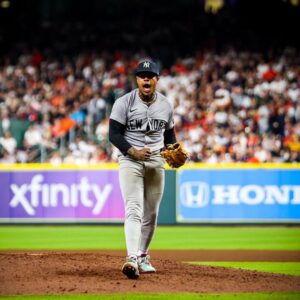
{"points": [[145, 125]]}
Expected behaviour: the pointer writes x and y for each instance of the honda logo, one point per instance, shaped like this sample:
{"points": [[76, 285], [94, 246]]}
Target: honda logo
{"points": [[194, 194]]}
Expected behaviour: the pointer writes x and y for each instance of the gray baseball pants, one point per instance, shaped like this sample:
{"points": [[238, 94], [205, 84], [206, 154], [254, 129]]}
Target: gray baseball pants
{"points": [[142, 185]]}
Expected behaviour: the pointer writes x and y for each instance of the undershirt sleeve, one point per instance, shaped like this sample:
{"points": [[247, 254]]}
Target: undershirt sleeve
{"points": [[169, 136], [116, 136]]}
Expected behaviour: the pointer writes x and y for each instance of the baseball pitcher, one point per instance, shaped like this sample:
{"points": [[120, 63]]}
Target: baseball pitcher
{"points": [[141, 126]]}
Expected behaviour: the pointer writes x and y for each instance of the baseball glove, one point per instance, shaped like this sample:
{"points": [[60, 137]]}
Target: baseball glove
{"points": [[175, 155]]}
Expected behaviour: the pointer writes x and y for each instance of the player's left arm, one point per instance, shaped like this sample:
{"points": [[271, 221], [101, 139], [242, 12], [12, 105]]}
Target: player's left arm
{"points": [[169, 136]]}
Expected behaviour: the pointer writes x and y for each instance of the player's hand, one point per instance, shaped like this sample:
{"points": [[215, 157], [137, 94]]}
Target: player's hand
{"points": [[142, 154]]}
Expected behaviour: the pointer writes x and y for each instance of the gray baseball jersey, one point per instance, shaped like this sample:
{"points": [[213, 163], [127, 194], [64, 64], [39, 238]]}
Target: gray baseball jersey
{"points": [[145, 125]]}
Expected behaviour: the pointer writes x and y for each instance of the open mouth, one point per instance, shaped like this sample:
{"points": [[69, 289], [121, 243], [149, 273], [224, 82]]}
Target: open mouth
{"points": [[147, 87]]}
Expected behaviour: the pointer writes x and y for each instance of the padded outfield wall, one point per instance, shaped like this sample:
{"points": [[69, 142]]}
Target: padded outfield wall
{"points": [[197, 193]]}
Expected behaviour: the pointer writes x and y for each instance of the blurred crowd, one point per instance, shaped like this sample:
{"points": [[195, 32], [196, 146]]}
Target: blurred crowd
{"points": [[229, 106]]}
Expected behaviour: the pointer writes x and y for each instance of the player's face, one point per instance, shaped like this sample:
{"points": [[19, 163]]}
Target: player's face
{"points": [[146, 83]]}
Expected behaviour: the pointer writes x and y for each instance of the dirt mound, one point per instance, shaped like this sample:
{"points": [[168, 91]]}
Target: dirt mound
{"points": [[41, 272]]}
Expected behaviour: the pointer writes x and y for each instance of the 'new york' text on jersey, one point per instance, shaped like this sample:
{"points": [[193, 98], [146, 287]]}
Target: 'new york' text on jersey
{"points": [[145, 125]]}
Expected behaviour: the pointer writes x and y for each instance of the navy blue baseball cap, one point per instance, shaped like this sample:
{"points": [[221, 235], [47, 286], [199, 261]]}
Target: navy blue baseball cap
{"points": [[147, 65]]}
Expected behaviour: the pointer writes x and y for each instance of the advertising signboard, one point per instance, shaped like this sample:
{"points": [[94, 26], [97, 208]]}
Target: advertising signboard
{"points": [[61, 195], [238, 195]]}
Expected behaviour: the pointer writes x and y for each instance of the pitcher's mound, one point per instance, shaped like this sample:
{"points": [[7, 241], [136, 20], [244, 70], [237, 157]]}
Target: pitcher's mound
{"points": [[41, 272]]}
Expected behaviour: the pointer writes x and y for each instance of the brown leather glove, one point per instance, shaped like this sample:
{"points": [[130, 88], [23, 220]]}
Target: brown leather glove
{"points": [[175, 155]]}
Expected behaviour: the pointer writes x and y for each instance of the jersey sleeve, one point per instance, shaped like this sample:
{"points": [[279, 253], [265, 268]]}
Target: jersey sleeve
{"points": [[119, 110], [170, 123]]}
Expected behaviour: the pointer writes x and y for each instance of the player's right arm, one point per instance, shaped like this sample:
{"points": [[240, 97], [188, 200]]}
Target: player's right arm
{"points": [[116, 137], [117, 127]]}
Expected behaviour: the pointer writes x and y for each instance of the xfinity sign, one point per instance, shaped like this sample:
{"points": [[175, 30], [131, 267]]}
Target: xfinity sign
{"points": [[239, 195], [73, 195], [36, 193]]}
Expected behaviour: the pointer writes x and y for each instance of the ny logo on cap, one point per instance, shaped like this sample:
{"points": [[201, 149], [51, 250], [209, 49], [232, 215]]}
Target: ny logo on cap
{"points": [[146, 64]]}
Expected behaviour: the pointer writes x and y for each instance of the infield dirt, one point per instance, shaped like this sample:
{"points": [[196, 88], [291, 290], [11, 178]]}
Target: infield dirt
{"points": [[98, 272]]}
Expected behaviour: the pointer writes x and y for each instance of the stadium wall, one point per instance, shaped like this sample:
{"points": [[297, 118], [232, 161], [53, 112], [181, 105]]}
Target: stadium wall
{"points": [[197, 193]]}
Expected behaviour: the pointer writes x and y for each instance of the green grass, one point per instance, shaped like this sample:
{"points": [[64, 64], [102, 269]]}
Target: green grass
{"points": [[265, 296], [289, 268], [199, 237], [166, 237]]}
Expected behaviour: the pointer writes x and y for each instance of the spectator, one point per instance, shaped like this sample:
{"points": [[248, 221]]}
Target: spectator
{"points": [[231, 106], [33, 137], [9, 143]]}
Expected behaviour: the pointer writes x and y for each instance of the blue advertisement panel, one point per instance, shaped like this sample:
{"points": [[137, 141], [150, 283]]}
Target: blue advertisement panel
{"points": [[238, 195]]}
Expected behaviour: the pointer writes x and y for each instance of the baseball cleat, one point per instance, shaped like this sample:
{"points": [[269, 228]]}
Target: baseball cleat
{"points": [[131, 269], [145, 265]]}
